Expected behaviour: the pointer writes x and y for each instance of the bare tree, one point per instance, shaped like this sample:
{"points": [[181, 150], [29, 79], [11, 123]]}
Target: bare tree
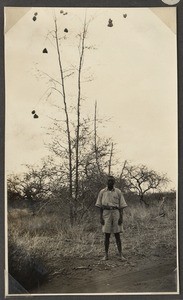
{"points": [[72, 131], [35, 185], [80, 156], [141, 180]]}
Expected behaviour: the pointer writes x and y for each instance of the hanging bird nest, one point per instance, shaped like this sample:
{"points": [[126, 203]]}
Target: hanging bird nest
{"points": [[110, 23], [45, 50]]}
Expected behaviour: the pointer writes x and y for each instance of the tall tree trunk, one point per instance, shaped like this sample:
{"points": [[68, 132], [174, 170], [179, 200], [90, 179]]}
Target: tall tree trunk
{"points": [[82, 47], [95, 138], [142, 200], [67, 123]]}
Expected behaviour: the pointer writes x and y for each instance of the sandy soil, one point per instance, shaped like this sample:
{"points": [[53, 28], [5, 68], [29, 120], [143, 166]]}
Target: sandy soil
{"points": [[92, 275]]}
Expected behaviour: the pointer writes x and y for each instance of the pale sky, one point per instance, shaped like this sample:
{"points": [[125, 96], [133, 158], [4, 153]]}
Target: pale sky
{"points": [[134, 71]]}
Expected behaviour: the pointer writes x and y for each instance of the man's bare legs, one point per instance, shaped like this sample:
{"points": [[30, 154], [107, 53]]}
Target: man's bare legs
{"points": [[106, 244], [118, 243]]}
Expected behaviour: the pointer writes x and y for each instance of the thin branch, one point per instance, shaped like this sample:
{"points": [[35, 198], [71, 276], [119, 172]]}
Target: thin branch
{"points": [[50, 77], [53, 88], [68, 75]]}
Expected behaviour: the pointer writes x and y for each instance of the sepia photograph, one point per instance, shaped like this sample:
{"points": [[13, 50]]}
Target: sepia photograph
{"points": [[91, 151]]}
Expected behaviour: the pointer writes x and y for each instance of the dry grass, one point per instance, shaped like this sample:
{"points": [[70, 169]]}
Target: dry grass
{"points": [[147, 233], [50, 239]]}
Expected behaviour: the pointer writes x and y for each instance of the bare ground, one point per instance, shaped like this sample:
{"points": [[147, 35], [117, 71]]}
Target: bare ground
{"points": [[92, 275]]}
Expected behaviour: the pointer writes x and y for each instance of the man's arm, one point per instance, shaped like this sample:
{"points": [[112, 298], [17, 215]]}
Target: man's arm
{"points": [[122, 205], [120, 221], [101, 216], [99, 204]]}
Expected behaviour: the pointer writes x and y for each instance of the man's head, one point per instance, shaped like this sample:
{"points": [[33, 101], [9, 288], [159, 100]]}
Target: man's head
{"points": [[110, 182]]}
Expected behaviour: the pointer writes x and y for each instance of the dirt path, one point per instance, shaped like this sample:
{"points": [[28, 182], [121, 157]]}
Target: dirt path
{"points": [[91, 275]]}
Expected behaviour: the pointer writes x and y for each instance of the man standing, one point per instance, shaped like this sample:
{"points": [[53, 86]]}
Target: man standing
{"points": [[111, 203]]}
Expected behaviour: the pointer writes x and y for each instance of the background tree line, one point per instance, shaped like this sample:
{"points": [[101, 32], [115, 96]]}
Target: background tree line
{"points": [[47, 186]]}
